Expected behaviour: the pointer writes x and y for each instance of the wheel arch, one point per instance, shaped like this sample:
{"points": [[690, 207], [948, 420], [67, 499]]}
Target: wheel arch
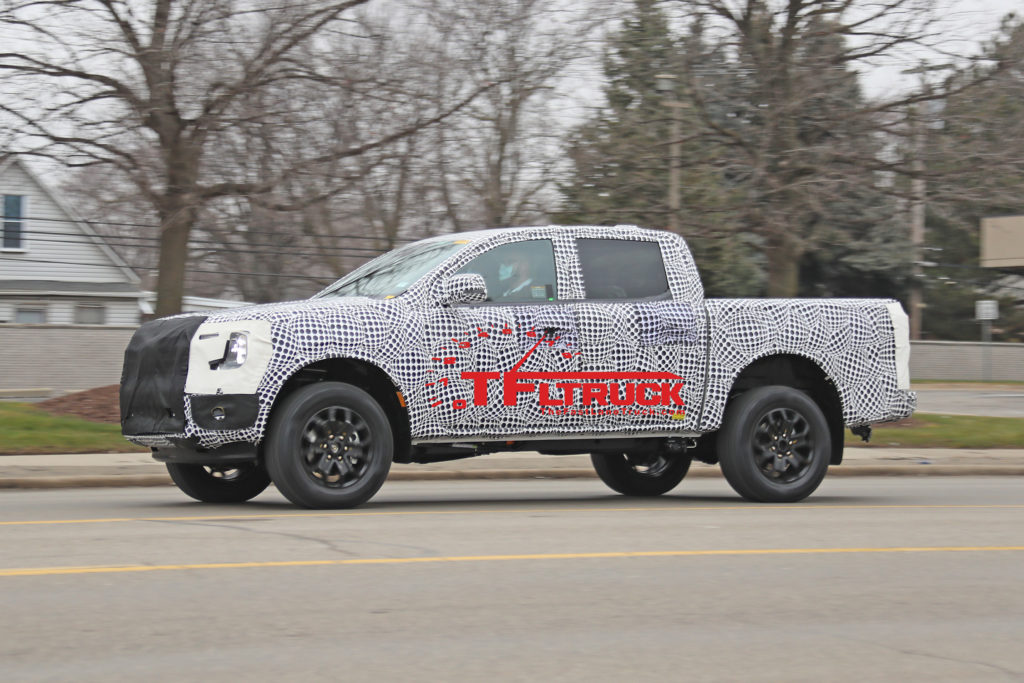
{"points": [[367, 376], [805, 374]]}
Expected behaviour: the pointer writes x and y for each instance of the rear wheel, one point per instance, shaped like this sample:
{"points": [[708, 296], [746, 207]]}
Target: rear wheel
{"points": [[234, 483], [641, 474], [774, 445], [329, 446]]}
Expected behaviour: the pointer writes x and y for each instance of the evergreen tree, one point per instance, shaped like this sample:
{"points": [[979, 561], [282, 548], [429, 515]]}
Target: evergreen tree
{"points": [[975, 168], [779, 190], [622, 157]]}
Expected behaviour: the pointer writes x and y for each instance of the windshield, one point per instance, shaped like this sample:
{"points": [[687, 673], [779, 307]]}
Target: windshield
{"points": [[391, 274]]}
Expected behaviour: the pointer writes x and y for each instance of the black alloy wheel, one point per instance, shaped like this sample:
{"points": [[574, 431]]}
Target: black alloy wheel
{"points": [[231, 483], [330, 445], [641, 474], [336, 447], [783, 446], [774, 445]]}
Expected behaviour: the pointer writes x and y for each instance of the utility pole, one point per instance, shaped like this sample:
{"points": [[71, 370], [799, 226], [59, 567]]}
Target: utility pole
{"points": [[917, 214], [917, 200], [666, 85]]}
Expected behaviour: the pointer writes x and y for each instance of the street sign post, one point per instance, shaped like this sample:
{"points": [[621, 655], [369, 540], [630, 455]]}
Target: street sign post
{"points": [[985, 311]]}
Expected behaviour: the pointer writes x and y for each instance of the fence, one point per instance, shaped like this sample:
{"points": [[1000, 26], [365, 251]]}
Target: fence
{"points": [[44, 360], [966, 361]]}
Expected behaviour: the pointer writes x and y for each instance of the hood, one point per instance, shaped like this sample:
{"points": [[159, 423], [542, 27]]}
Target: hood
{"points": [[285, 311]]}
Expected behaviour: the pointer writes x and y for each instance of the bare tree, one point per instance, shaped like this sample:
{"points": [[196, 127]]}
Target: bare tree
{"points": [[495, 163], [150, 88]]}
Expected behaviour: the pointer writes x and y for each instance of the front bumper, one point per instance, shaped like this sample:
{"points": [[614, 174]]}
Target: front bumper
{"points": [[221, 412]]}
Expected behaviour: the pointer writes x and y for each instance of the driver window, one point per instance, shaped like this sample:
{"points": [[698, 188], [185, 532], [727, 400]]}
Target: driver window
{"points": [[518, 271]]}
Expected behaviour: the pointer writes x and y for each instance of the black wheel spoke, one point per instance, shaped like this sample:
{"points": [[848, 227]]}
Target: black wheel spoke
{"points": [[324, 466], [335, 444], [781, 445]]}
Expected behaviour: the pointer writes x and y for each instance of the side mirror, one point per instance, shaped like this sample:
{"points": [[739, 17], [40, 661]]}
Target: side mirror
{"points": [[465, 288]]}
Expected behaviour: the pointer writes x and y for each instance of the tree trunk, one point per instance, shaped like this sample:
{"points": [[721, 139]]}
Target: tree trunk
{"points": [[783, 266], [176, 222]]}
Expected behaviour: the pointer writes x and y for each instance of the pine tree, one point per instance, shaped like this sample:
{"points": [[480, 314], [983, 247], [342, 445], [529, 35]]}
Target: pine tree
{"points": [[780, 191], [621, 157]]}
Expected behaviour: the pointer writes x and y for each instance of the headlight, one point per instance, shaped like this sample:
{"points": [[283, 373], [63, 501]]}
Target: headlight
{"points": [[235, 352]]}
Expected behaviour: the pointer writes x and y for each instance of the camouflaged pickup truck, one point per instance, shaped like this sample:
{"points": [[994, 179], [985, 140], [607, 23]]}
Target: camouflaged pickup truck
{"points": [[553, 339]]}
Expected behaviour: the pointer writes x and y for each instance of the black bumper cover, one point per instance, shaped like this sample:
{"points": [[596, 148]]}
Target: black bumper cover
{"points": [[153, 378]]}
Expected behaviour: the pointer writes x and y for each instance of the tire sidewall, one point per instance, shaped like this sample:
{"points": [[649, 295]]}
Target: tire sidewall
{"points": [[197, 483], [618, 474], [283, 448], [736, 436]]}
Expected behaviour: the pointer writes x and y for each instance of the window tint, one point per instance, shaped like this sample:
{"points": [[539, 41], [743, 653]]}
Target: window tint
{"points": [[12, 221], [518, 271], [621, 269]]}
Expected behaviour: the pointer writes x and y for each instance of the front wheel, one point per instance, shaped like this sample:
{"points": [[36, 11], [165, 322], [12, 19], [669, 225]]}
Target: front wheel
{"points": [[641, 474], [235, 483], [329, 446], [774, 445]]}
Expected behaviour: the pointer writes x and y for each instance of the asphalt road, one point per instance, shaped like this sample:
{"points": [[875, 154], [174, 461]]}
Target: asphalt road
{"points": [[547, 580]]}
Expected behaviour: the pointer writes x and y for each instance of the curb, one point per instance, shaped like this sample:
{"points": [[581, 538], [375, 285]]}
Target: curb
{"points": [[141, 480], [85, 481]]}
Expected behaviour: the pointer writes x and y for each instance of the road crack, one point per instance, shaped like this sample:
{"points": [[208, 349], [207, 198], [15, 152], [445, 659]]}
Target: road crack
{"points": [[332, 545]]}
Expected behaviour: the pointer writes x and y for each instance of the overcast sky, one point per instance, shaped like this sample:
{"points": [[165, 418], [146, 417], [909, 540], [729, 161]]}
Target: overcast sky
{"points": [[966, 23]]}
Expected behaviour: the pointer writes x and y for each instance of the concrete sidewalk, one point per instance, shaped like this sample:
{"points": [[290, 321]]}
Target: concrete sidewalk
{"points": [[139, 469]]}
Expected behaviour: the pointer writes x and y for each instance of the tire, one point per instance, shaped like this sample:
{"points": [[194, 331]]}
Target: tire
{"points": [[774, 445], [234, 483], [647, 474], [329, 446]]}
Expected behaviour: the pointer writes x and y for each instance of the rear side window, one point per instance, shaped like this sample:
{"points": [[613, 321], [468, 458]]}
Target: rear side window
{"points": [[621, 269]]}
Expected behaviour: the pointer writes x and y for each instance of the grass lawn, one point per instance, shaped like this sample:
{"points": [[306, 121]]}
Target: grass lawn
{"points": [[946, 431], [27, 429]]}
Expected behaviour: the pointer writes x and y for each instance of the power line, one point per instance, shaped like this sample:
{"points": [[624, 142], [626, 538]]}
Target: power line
{"points": [[153, 226], [326, 278], [221, 246]]}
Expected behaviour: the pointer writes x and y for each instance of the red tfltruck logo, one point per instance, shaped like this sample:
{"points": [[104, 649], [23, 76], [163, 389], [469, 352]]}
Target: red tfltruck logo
{"points": [[557, 391]]}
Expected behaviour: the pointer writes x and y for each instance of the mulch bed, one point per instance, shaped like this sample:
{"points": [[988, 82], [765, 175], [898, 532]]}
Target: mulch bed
{"points": [[99, 405]]}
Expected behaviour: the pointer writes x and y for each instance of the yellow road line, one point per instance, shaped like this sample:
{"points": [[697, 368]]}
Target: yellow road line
{"points": [[54, 571], [477, 511]]}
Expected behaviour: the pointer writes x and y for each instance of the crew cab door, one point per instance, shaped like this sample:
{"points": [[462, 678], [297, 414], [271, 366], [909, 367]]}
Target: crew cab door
{"points": [[489, 359], [641, 335]]}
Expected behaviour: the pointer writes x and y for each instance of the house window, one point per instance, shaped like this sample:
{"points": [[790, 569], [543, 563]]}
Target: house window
{"points": [[90, 314], [30, 315], [12, 221]]}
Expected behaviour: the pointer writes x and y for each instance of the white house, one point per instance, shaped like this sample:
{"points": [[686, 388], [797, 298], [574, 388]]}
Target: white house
{"points": [[54, 268]]}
